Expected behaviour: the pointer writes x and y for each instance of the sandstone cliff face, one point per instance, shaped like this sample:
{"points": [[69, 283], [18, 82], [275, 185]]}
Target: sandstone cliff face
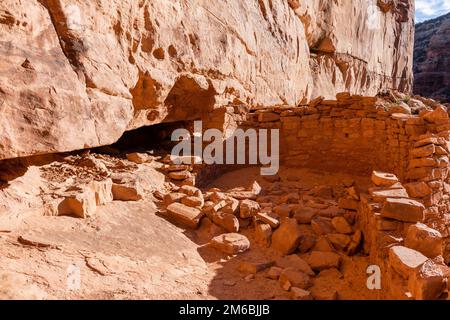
{"points": [[431, 58], [77, 74], [359, 46]]}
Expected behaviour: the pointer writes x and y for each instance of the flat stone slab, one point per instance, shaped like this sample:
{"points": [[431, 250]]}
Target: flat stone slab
{"points": [[383, 179], [424, 239], [403, 209], [230, 243], [319, 260], [405, 260], [187, 216], [295, 262]]}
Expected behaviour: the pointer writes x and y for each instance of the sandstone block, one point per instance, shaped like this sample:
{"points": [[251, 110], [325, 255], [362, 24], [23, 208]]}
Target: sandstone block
{"points": [[300, 294], [173, 197], [295, 278], [130, 191], [427, 283], [339, 241], [179, 175], [425, 140], [274, 273], [403, 210], [387, 224], [355, 244], [423, 152], [226, 220], [265, 218], [304, 215], [418, 189], [320, 260], [321, 225], [405, 260], [231, 243], [268, 117], [287, 237], [255, 188], [191, 191], [242, 195], [380, 194], [231, 207], [80, 203], [103, 191], [219, 206], [424, 239], [192, 201], [422, 173], [283, 211], [437, 114], [348, 203], [341, 225], [138, 158], [323, 244], [308, 239], [248, 208], [422, 162], [383, 179], [295, 262], [178, 167], [254, 267], [263, 234], [184, 215]]}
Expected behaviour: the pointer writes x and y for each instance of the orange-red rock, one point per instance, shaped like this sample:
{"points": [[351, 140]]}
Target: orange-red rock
{"points": [[405, 260], [184, 215], [287, 237], [403, 209], [424, 239], [231, 243]]}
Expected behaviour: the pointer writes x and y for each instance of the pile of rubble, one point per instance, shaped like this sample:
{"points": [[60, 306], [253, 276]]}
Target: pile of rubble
{"points": [[309, 230], [78, 184], [312, 232]]}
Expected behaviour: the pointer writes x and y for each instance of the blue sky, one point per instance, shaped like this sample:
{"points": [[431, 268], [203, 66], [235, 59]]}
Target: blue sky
{"points": [[429, 9]]}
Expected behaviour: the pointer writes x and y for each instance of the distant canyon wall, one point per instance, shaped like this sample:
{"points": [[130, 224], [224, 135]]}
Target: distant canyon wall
{"points": [[432, 59], [76, 74]]}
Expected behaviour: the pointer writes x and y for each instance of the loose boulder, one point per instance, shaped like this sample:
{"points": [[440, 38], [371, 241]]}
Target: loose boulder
{"points": [[295, 278], [319, 260], [383, 179], [287, 237], [424, 239], [187, 216], [230, 243], [248, 208]]}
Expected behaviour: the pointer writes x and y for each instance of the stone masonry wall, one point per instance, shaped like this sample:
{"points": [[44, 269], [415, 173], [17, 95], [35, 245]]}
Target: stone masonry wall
{"points": [[357, 135], [351, 135]]}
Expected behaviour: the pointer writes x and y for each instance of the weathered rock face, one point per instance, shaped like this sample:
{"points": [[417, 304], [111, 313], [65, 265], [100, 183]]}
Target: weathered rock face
{"points": [[77, 74], [431, 59], [359, 46]]}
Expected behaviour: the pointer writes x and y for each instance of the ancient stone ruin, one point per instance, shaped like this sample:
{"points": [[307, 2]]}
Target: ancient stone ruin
{"points": [[93, 205]]}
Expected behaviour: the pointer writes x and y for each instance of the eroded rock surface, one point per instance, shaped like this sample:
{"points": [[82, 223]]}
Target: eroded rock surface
{"points": [[77, 74]]}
